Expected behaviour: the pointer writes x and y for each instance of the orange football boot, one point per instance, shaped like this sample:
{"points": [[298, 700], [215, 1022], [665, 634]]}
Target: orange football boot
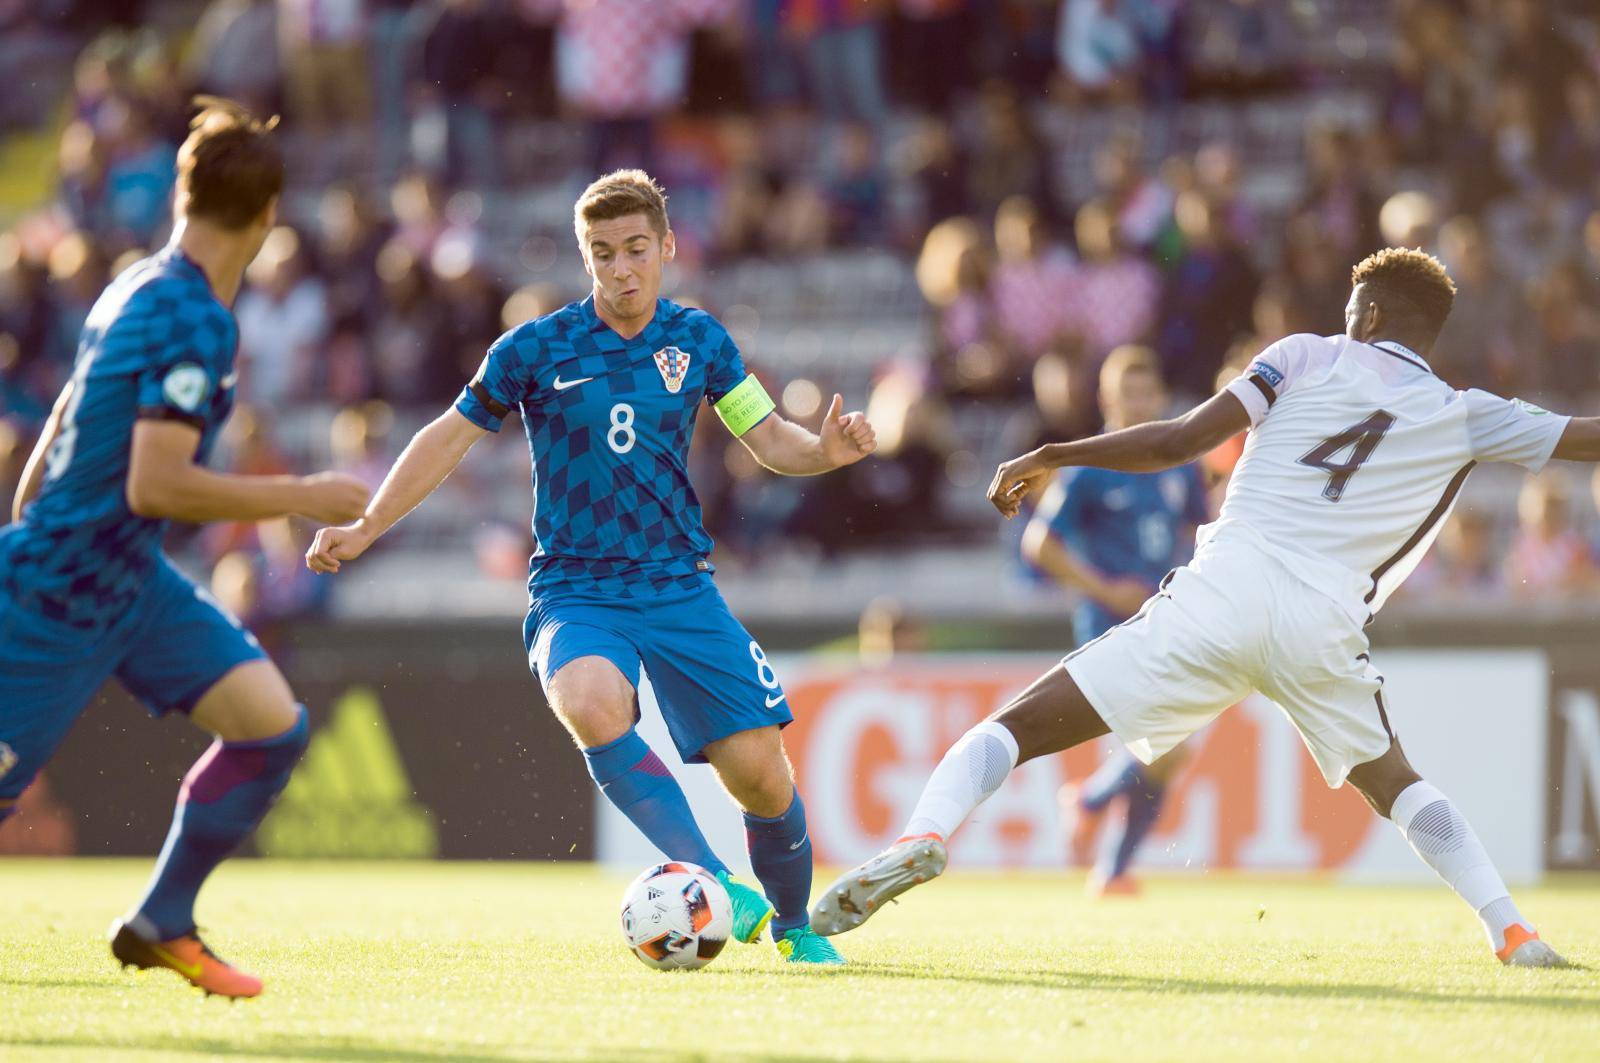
{"points": [[1123, 885], [188, 956], [1524, 949]]}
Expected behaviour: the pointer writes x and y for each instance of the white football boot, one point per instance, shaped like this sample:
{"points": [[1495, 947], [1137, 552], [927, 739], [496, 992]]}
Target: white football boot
{"points": [[853, 899]]}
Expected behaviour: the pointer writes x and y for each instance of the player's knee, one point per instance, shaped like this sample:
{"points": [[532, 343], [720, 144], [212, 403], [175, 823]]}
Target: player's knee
{"points": [[1381, 781], [766, 795], [593, 700], [760, 781], [597, 722], [1050, 716], [252, 703]]}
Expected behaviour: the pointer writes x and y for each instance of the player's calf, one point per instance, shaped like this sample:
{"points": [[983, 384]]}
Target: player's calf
{"points": [[594, 700], [780, 856], [753, 767], [636, 781], [1439, 834], [222, 799]]}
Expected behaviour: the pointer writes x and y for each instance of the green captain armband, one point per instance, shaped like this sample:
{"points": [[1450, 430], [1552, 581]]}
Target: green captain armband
{"points": [[744, 406]]}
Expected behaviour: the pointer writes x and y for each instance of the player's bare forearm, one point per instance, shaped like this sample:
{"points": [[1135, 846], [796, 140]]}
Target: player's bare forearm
{"points": [[164, 483], [792, 450], [33, 471], [786, 448], [1150, 447], [197, 495], [1157, 445], [428, 460]]}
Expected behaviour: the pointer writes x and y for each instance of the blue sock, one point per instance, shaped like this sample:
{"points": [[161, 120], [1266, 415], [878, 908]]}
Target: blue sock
{"points": [[222, 799], [1144, 807], [1120, 774], [780, 855], [633, 778]]}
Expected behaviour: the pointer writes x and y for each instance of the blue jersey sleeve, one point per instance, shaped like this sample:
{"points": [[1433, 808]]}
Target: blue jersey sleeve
{"points": [[1065, 509], [504, 380], [185, 359], [726, 370]]}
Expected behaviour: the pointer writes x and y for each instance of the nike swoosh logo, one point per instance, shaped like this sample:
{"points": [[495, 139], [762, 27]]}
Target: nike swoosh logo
{"points": [[188, 970], [803, 839], [229, 380], [562, 385], [771, 701]]}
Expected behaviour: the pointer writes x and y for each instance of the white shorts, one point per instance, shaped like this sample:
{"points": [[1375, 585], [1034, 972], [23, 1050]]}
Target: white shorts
{"points": [[1236, 619]]}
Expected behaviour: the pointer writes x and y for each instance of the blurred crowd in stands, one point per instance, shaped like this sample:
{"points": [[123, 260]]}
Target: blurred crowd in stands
{"points": [[940, 132]]}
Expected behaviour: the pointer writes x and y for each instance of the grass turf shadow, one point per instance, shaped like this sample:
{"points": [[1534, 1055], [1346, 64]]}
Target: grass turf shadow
{"points": [[334, 1049], [1102, 982]]}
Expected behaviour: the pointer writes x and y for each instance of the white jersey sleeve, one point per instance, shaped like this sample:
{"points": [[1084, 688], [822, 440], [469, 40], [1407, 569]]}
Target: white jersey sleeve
{"points": [[1511, 430], [1275, 372]]}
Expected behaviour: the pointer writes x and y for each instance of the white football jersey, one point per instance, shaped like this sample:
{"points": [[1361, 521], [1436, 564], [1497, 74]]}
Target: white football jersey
{"points": [[1355, 457]]}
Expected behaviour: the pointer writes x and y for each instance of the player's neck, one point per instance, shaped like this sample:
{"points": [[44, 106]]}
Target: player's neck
{"points": [[221, 256], [626, 327]]}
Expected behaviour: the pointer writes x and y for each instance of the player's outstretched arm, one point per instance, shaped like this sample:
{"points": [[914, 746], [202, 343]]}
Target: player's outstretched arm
{"points": [[428, 459], [1149, 447], [791, 450], [165, 483], [1580, 441]]}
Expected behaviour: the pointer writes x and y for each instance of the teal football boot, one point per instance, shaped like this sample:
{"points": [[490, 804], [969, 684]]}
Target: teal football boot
{"points": [[751, 909], [804, 945]]}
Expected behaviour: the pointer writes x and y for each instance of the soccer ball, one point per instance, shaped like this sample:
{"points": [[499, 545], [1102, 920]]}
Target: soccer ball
{"points": [[676, 916]]}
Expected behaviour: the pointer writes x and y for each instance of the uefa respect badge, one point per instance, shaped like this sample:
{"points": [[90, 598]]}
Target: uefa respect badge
{"points": [[186, 386]]}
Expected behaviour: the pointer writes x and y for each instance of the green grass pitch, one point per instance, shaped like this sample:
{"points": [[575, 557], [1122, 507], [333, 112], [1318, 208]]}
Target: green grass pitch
{"points": [[471, 962]]}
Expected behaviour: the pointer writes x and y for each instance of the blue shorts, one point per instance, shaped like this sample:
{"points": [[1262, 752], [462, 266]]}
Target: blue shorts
{"points": [[710, 677], [172, 646]]}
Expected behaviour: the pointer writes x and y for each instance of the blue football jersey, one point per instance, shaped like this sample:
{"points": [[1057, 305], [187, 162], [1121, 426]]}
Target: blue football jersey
{"points": [[157, 343], [1125, 525], [608, 423]]}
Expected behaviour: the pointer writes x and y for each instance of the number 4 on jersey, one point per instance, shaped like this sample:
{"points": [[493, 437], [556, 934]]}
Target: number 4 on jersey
{"points": [[1361, 439]]}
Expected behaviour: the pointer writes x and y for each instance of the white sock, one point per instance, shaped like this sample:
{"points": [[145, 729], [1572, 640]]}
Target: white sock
{"points": [[973, 769], [1441, 836]]}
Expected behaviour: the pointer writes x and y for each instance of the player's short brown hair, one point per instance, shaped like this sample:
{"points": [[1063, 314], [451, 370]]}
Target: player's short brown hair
{"points": [[1130, 358], [619, 194], [1408, 285], [230, 167]]}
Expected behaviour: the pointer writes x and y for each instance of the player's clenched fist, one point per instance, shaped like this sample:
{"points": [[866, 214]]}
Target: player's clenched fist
{"points": [[1017, 479], [333, 545], [846, 437], [332, 497]]}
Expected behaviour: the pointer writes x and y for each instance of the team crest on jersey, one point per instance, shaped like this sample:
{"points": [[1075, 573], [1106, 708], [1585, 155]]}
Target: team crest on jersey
{"points": [[674, 366], [8, 760]]}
